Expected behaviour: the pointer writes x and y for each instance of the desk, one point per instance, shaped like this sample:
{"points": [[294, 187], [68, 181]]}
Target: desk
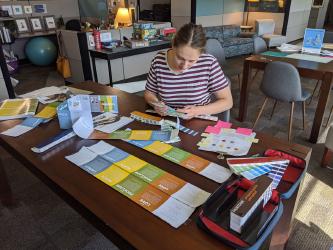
{"points": [[120, 219], [122, 52], [308, 69]]}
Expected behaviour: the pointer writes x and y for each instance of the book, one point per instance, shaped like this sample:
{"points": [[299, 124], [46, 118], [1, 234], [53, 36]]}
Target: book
{"points": [[258, 194], [17, 108]]}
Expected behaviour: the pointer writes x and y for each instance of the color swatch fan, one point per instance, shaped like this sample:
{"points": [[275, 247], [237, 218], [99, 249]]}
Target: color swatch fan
{"points": [[252, 168]]}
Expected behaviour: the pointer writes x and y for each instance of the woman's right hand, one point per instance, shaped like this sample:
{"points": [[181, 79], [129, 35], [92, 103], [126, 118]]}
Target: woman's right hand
{"points": [[160, 108]]}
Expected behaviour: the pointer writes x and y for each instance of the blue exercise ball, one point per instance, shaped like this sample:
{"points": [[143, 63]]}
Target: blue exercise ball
{"points": [[40, 51]]}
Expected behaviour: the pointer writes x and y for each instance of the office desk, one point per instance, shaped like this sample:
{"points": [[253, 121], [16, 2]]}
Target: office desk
{"points": [[122, 52], [121, 220], [308, 69]]}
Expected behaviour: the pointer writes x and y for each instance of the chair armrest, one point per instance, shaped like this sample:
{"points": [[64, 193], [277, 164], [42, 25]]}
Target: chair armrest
{"points": [[248, 34]]}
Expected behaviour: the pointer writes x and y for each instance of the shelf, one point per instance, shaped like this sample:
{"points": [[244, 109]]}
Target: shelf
{"points": [[3, 19], [35, 34]]}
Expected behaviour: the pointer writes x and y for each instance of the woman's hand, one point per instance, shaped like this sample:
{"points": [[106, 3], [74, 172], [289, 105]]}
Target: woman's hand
{"points": [[160, 108], [190, 111]]}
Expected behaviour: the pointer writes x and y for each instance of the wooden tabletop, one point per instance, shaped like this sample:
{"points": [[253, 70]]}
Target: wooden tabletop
{"points": [[127, 220]]}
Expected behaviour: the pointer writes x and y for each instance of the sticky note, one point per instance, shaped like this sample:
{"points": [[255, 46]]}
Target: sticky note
{"points": [[222, 124], [212, 130], [244, 131]]}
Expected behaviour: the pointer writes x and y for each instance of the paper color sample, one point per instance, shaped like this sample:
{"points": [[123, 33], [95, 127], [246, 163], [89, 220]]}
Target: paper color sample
{"points": [[152, 197], [185, 159]]}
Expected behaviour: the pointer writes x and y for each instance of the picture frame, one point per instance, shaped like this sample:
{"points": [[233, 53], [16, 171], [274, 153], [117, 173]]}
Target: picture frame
{"points": [[22, 25], [27, 9], [50, 23], [40, 8], [313, 40], [8, 8], [36, 24], [317, 3], [17, 10]]}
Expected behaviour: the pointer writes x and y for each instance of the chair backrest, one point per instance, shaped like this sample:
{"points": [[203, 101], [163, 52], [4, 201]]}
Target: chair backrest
{"points": [[259, 45], [281, 81], [73, 24], [328, 38], [215, 48], [265, 26]]}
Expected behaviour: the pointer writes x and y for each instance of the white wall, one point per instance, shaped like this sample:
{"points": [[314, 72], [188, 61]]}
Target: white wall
{"points": [[180, 12], [298, 19], [277, 17]]}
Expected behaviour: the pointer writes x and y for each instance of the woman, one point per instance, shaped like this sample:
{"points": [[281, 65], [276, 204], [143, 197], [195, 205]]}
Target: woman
{"points": [[184, 77]]}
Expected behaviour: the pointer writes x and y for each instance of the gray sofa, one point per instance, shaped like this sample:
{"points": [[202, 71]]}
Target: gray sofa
{"points": [[232, 39]]}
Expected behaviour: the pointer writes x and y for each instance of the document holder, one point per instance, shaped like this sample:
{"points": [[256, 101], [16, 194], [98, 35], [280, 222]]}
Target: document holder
{"points": [[214, 216]]}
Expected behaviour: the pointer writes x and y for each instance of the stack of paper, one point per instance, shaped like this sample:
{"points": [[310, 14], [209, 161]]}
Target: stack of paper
{"points": [[18, 108]]}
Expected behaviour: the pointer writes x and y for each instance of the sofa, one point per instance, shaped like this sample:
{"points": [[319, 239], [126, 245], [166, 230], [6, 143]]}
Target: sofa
{"points": [[232, 39]]}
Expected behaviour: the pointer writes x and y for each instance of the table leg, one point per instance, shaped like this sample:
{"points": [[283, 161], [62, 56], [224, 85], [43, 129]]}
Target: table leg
{"points": [[325, 90], [6, 197], [93, 59], [244, 92], [110, 73]]}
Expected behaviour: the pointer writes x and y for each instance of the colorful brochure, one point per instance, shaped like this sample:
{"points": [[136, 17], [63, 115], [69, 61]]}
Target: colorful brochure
{"points": [[142, 135], [166, 196], [185, 159], [45, 115], [223, 139], [17, 108]]}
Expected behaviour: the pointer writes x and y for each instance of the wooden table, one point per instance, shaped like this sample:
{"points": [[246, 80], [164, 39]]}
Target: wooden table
{"points": [[308, 69], [120, 219]]}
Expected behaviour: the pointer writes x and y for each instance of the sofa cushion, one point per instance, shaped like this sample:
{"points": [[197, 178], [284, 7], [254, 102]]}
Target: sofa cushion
{"points": [[236, 41], [237, 50], [214, 32], [231, 31]]}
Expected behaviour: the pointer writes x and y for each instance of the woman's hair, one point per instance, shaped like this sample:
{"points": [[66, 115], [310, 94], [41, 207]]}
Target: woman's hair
{"points": [[192, 35]]}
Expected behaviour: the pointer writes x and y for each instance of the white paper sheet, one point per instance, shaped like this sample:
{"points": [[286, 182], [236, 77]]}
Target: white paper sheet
{"points": [[174, 212], [109, 128], [216, 172], [17, 130], [83, 127], [82, 157], [191, 195]]}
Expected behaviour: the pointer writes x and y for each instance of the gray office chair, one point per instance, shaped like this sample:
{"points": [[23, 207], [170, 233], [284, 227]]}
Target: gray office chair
{"points": [[214, 47], [282, 82], [259, 46]]}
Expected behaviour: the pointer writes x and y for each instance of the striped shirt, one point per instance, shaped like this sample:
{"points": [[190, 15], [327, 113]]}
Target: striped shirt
{"points": [[193, 86]]}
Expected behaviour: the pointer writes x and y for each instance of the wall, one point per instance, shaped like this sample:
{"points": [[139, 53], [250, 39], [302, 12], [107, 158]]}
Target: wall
{"points": [[68, 9], [298, 19], [219, 12], [180, 12], [317, 16], [277, 17]]}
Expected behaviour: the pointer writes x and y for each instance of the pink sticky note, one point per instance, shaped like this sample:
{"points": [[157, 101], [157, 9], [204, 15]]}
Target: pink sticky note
{"points": [[221, 124], [212, 130], [244, 131]]}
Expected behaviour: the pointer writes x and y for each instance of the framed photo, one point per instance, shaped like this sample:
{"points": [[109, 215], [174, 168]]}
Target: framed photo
{"points": [[36, 24], [40, 8], [313, 40], [50, 23], [8, 8], [27, 9], [17, 9], [22, 25]]}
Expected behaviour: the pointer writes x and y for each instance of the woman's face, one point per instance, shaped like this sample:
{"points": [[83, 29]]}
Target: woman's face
{"points": [[185, 57]]}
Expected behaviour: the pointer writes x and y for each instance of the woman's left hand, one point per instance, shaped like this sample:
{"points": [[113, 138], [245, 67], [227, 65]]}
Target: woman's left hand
{"points": [[190, 111]]}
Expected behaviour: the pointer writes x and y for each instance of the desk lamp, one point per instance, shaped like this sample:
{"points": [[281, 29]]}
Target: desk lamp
{"points": [[122, 18]]}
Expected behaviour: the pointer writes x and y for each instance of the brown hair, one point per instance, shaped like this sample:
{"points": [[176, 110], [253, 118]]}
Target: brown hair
{"points": [[192, 35]]}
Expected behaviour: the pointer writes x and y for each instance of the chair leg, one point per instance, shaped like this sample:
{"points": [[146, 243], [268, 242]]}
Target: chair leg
{"points": [[260, 112], [255, 75], [313, 92], [329, 117], [274, 106], [304, 104], [291, 120], [239, 81], [327, 157]]}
